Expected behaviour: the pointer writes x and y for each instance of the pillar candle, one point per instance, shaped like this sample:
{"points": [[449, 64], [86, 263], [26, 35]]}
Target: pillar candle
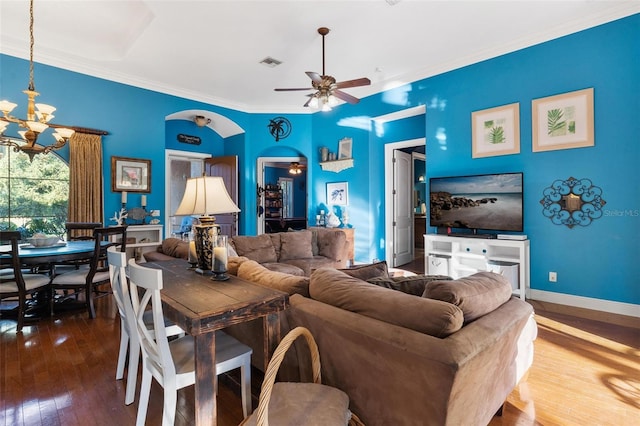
{"points": [[193, 256], [219, 259], [143, 201], [124, 197]]}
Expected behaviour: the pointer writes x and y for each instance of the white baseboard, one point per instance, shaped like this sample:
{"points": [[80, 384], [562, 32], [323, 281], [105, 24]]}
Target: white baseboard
{"points": [[619, 308]]}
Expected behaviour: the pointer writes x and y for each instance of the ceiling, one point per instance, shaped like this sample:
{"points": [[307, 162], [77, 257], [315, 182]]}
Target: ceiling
{"points": [[211, 50]]}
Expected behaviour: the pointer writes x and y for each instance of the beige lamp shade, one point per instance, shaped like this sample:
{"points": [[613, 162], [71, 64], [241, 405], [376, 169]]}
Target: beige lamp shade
{"points": [[206, 195]]}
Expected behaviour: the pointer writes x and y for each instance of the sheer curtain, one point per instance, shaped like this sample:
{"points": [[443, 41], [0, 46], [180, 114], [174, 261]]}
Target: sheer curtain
{"points": [[85, 178]]}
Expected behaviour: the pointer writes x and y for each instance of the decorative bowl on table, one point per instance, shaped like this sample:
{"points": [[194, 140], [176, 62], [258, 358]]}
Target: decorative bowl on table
{"points": [[43, 240]]}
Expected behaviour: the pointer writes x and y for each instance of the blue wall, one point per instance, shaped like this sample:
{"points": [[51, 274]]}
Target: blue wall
{"points": [[598, 261]]}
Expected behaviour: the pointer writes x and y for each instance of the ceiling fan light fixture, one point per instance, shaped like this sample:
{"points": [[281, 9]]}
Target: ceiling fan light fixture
{"points": [[294, 168]]}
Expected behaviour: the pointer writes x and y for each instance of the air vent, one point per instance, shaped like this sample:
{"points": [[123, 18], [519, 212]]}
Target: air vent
{"points": [[270, 62]]}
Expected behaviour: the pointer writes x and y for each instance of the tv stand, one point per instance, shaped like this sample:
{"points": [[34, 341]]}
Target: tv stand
{"points": [[474, 235], [463, 255]]}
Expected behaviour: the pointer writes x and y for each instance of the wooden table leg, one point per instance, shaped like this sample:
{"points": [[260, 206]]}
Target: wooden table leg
{"points": [[271, 326], [205, 387]]}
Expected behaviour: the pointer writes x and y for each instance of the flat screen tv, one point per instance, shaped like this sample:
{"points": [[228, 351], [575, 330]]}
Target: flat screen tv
{"points": [[480, 202]]}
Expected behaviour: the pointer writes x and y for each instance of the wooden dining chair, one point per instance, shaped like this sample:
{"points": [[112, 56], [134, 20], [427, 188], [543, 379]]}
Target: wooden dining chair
{"points": [[172, 363], [87, 277], [128, 336], [13, 282], [78, 231]]}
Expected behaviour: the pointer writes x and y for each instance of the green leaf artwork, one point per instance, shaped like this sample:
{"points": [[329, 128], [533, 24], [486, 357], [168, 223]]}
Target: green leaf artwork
{"points": [[555, 124], [497, 135]]}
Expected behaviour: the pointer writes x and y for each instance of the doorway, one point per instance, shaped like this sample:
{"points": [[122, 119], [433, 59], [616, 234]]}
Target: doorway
{"points": [[399, 201], [282, 195]]}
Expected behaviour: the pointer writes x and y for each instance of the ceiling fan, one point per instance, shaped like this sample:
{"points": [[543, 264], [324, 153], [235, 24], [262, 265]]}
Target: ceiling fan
{"points": [[327, 89]]}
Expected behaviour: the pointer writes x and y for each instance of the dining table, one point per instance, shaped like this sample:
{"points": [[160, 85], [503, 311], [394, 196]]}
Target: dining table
{"points": [[42, 259], [64, 251], [200, 306]]}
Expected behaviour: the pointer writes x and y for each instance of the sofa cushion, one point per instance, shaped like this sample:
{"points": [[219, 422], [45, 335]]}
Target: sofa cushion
{"points": [[336, 288], [234, 262], [476, 295], [414, 285], [309, 265], [258, 248], [275, 240], [252, 271], [295, 245], [285, 268], [331, 244], [369, 271], [175, 247]]}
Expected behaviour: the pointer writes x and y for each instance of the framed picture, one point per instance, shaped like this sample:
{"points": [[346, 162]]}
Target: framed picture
{"points": [[130, 174], [338, 194], [563, 121], [344, 148], [496, 131]]}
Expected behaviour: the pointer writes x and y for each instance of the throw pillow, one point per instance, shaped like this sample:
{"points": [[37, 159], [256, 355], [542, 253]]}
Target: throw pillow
{"points": [[291, 284], [367, 272], [257, 248], [414, 285], [175, 247], [295, 245], [331, 244], [476, 295], [336, 288]]}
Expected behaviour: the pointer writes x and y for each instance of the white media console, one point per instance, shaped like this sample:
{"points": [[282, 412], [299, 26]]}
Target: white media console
{"points": [[462, 256]]}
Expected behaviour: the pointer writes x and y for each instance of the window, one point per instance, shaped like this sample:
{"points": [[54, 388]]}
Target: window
{"points": [[34, 195]]}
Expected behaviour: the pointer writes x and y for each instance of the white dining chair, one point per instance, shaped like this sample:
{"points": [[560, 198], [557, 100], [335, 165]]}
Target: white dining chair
{"points": [[172, 363], [128, 336]]}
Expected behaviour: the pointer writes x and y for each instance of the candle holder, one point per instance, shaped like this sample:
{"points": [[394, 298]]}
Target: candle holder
{"points": [[220, 253], [193, 255]]}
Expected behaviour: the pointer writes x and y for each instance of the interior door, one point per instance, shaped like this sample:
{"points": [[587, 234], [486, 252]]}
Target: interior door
{"points": [[227, 168], [402, 208]]}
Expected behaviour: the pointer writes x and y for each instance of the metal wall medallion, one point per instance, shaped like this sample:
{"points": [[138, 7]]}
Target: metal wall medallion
{"points": [[572, 202], [279, 128]]}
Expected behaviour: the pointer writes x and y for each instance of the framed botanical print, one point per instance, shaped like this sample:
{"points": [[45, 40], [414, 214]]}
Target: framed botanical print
{"points": [[563, 121], [338, 194], [496, 131]]}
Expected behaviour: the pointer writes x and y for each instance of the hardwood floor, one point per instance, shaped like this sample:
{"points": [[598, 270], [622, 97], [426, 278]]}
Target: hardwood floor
{"points": [[61, 371]]}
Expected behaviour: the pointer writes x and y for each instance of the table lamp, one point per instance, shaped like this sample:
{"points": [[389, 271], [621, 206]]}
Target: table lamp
{"points": [[206, 196]]}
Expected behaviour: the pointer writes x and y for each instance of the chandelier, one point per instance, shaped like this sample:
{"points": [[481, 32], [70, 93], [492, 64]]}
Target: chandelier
{"points": [[38, 116]]}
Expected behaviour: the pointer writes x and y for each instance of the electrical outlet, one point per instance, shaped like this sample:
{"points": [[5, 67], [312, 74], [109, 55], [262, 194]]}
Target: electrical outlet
{"points": [[553, 277]]}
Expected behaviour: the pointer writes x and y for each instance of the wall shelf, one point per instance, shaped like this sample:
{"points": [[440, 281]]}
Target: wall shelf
{"points": [[337, 165]]}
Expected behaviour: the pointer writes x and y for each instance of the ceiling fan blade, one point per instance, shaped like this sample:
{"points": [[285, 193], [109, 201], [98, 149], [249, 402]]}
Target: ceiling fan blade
{"points": [[292, 89], [314, 76], [353, 83], [345, 97]]}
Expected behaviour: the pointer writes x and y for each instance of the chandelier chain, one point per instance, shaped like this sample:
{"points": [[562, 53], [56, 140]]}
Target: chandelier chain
{"points": [[31, 43]]}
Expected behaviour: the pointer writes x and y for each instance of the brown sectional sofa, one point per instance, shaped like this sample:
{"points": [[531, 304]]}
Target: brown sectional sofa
{"points": [[415, 350], [294, 253]]}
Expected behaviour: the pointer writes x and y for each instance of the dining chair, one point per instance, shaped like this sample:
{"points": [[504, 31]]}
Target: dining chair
{"points": [[78, 231], [128, 336], [172, 363], [13, 282], [87, 277]]}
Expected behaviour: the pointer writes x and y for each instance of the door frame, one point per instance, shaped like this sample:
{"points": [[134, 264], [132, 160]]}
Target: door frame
{"points": [[388, 191], [260, 165]]}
